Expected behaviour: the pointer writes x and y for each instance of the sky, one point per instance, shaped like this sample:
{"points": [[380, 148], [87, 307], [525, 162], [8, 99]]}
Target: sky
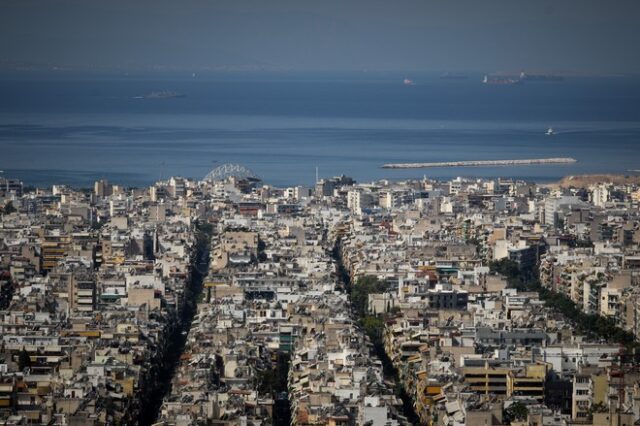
{"points": [[590, 36]]}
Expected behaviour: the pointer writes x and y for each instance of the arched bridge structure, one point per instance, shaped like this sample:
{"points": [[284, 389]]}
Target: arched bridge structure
{"points": [[228, 170]]}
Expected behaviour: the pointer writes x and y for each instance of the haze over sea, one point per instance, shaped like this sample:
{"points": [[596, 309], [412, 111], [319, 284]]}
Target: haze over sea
{"points": [[75, 128]]}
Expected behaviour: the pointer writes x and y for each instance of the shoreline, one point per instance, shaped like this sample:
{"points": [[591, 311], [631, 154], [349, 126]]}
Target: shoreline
{"points": [[628, 176]]}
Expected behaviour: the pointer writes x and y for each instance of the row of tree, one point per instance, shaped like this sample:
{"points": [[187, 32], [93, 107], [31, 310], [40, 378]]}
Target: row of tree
{"points": [[592, 325], [373, 325]]}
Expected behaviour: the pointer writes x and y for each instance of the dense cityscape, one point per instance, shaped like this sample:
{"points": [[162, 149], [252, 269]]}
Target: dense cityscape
{"points": [[319, 213], [228, 301]]}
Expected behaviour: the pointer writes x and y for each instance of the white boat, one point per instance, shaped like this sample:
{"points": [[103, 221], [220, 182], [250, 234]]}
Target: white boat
{"points": [[408, 82], [550, 131]]}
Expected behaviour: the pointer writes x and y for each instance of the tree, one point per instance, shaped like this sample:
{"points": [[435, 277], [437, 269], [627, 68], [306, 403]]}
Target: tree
{"points": [[598, 407], [361, 290], [272, 381], [516, 412], [522, 279], [372, 326], [24, 360], [262, 246], [505, 267], [8, 208]]}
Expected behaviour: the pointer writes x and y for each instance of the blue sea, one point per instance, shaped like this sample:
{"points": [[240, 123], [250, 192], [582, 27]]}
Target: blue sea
{"points": [[75, 128]]}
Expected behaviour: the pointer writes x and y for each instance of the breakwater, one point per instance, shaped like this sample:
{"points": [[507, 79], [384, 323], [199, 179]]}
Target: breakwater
{"points": [[480, 163]]}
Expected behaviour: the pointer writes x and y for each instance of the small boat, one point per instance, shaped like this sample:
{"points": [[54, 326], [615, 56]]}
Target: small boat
{"points": [[408, 82], [550, 131]]}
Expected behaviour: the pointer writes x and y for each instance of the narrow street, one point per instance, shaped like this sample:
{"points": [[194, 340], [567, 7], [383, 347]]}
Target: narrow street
{"points": [[178, 336], [390, 372]]}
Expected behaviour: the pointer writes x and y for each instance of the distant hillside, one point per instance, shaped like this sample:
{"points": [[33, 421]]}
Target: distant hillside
{"points": [[587, 180]]}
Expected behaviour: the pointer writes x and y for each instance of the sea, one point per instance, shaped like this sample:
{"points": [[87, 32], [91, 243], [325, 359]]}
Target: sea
{"points": [[73, 128]]}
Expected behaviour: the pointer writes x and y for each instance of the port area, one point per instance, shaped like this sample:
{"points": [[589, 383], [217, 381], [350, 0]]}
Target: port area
{"points": [[481, 163]]}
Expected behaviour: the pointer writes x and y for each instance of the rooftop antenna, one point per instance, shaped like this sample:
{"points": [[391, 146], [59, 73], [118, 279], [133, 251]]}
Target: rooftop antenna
{"points": [[316, 174]]}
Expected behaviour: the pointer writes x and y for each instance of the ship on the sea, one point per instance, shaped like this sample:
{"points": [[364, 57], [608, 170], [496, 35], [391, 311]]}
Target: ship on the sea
{"points": [[408, 82], [501, 79]]}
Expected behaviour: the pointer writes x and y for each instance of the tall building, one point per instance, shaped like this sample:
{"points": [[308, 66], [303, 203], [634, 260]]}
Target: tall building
{"points": [[82, 292], [600, 195], [103, 188], [554, 205], [358, 200], [54, 248], [10, 187], [177, 187], [324, 188]]}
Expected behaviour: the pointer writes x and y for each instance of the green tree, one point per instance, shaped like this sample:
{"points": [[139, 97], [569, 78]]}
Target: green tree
{"points": [[372, 326], [598, 407], [274, 380], [8, 208], [518, 278], [24, 360], [516, 412], [591, 325], [505, 267], [361, 290]]}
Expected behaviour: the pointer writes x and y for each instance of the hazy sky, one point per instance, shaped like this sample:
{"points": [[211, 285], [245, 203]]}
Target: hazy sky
{"points": [[456, 35]]}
